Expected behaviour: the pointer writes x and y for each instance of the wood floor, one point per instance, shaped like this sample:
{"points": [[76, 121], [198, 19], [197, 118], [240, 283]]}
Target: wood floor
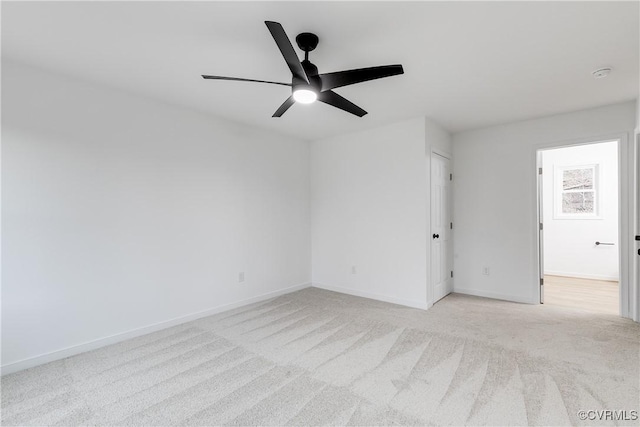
{"points": [[592, 295]]}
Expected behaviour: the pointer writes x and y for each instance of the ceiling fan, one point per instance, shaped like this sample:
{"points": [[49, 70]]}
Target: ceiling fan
{"points": [[306, 84]]}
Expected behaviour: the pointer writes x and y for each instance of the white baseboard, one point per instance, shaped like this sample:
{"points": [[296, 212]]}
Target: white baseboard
{"points": [[583, 276], [378, 297], [494, 295], [112, 339]]}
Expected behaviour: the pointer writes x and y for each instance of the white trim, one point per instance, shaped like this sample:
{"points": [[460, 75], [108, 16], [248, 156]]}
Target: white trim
{"points": [[494, 295], [634, 157], [112, 339], [386, 298], [441, 153], [626, 198], [583, 276]]}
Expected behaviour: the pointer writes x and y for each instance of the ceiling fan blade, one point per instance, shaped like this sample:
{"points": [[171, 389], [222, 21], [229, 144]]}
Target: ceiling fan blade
{"points": [[243, 80], [286, 48], [349, 77], [332, 98], [284, 107]]}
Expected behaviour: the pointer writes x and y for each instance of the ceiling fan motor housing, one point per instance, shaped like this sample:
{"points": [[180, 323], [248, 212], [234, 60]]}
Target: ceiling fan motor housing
{"points": [[315, 83]]}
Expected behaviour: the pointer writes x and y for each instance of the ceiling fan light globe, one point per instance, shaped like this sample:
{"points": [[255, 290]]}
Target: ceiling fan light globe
{"points": [[305, 96]]}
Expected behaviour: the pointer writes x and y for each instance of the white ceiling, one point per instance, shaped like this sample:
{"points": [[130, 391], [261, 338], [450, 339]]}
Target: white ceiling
{"points": [[467, 65]]}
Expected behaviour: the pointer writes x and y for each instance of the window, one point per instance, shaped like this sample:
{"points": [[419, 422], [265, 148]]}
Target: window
{"points": [[576, 192]]}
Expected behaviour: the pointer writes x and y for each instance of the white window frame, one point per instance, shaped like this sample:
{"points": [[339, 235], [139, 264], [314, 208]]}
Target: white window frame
{"points": [[559, 191]]}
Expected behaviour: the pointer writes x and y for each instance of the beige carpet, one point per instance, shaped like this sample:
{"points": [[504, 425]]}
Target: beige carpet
{"points": [[317, 357]]}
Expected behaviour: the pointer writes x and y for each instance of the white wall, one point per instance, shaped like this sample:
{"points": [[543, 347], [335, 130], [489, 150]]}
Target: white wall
{"points": [[120, 213], [370, 210], [494, 196], [569, 243]]}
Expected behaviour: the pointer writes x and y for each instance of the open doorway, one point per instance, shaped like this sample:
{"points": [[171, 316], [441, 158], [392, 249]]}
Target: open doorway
{"points": [[579, 212]]}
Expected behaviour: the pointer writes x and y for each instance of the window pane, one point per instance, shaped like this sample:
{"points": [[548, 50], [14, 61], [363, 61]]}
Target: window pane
{"points": [[578, 203], [577, 179]]}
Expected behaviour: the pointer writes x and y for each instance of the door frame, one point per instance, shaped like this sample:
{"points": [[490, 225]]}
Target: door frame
{"points": [[626, 212], [634, 173], [430, 285]]}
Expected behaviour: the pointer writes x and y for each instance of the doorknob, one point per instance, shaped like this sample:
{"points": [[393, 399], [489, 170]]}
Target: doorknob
{"points": [[436, 236]]}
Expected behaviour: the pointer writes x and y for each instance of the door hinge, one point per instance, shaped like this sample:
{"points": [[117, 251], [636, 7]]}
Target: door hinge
{"points": [[450, 226], [539, 171], [450, 177], [452, 274], [541, 226], [541, 281]]}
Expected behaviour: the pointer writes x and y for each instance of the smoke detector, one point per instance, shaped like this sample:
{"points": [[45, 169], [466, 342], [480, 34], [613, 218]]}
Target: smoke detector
{"points": [[601, 73]]}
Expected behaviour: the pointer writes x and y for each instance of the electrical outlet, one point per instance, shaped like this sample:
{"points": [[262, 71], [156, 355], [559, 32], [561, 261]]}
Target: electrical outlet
{"points": [[241, 277], [486, 271], [353, 269]]}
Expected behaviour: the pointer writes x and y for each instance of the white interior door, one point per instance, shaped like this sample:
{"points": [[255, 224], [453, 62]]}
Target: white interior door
{"points": [[441, 242]]}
